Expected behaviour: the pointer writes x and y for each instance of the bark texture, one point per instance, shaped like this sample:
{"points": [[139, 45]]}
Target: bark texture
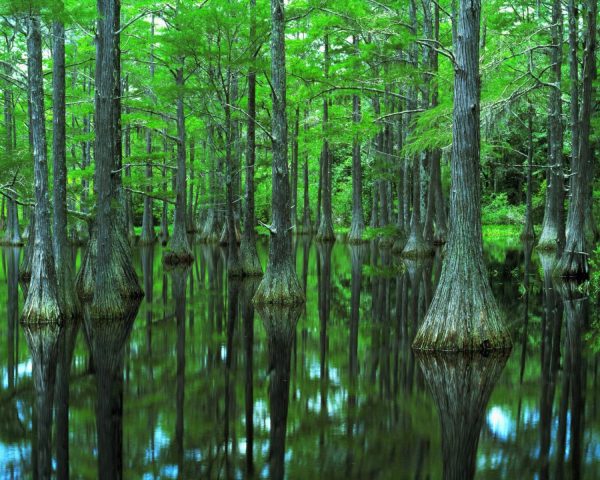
{"points": [[553, 232], [325, 231], [42, 304], [107, 275], [574, 260], [179, 251], [463, 314], [280, 284], [71, 306], [357, 226], [248, 253]]}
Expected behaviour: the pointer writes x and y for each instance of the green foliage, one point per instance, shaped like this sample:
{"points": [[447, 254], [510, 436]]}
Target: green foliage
{"points": [[496, 210]]}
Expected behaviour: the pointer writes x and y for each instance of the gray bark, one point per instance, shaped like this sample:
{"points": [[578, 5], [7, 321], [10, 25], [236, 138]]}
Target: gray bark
{"points": [[179, 250], [107, 275], [62, 254], [148, 236], [249, 255], [552, 236], [42, 304], [574, 259], [280, 284], [358, 222], [325, 231], [463, 314]]}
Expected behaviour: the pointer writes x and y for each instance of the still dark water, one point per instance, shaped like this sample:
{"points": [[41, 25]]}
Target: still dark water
{"points": [[196, 384]]}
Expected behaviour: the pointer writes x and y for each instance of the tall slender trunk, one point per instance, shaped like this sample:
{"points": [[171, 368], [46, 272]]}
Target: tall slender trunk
{"points": [[280, 284], [325, 232], [42, 304], [574, 260], [249, 255], [179, 249], [528, 231], [294, 172], [234, 267], [148, 236], [358, 222], [436, 212], [191, 221], [552, 236], [416, 246], [62, 254], [463, 314]]}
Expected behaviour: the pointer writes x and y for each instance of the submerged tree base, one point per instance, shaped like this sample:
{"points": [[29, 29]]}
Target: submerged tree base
{"points": [[417, 248], [355, 236], [124, 283], [280, 286], [573, 265], [548, 241], [147, 240], [399, 243], [249, 260], [463, 315], [174, 258]]}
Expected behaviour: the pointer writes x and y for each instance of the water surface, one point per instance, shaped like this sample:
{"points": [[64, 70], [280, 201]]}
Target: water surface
{"points": [[196, 384]]}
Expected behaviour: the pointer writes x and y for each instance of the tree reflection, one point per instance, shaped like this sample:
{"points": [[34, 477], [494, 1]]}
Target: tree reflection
{"points": [[248, 289], [42, 340], [107, 340], [66, 347], [575, 316], [461, 386], [280, 325], [179, 278]]}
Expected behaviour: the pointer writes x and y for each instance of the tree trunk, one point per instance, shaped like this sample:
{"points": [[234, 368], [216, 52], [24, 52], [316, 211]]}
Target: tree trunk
{"points": [[148, 236], [295, 146], [42, 304], [528, 231], [280, 284], [107, 275], [234, 267], [574, 260], [325, 232], [416, 247], [62, 255], [12, 235], [249, 255], [179, 252], [436, 211], [211, 223], [552, 235], [463, 314], [358, 222]]}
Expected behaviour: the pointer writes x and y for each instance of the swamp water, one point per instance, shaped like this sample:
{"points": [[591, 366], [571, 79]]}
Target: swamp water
{"points": [[196, 384]]}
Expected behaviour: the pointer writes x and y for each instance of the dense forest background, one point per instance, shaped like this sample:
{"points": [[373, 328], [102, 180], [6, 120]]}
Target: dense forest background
{"points": [[376, 74]]}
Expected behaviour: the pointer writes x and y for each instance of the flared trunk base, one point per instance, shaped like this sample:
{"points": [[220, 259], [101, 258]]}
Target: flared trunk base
{"points": [[280, 286]]}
